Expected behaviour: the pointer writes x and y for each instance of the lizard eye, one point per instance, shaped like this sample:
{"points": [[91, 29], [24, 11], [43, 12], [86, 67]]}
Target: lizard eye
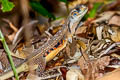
{"points": [[74, 13]]}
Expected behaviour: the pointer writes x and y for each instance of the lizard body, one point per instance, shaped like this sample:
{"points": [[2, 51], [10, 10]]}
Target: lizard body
{"points": [[65, 34]]}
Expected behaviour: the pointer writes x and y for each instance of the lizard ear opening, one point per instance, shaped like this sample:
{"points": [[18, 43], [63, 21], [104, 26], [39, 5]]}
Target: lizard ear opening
{"points": [[79, 25]]}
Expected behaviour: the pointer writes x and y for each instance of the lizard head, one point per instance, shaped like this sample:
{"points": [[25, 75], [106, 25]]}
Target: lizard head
{"points": [[77, 13], [75, 17]]}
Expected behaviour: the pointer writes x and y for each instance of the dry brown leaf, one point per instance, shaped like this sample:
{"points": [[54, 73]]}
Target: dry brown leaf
{"points": [[82, 44], [11, 25], [114, 75], [104, 16], [93, 1], [42, 28], [103, 62], [99, 30], [21, 68], [116, 35], [74, 74], [115, 55], [83, 61], [11, 37], [20, 54], [91, 68], [115, 20], [32, 77], [80, 30]]}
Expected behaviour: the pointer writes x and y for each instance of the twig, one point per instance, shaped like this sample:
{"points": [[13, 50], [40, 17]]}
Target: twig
{"points": [[109, 48], [52, 70], [51, 76], [11, 25], [8, 53]]}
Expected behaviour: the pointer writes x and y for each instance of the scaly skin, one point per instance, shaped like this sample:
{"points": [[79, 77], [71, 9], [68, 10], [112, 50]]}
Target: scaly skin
{"points": [[65, 34]]}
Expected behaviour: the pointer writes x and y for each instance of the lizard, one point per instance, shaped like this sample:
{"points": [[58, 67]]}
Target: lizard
{"points": [[62, 37]]}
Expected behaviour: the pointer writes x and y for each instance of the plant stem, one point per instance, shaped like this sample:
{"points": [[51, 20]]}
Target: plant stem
{"points": [[9, 56]]}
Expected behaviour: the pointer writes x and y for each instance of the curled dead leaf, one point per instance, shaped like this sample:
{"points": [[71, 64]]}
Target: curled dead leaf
{"points": [[115, 20], [74, 74], [116, 36]]}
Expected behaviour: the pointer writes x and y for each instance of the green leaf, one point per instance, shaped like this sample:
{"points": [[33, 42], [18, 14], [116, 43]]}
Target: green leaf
{"points": [[93, 12], [6, 5], [41, 10], [65, 1]]}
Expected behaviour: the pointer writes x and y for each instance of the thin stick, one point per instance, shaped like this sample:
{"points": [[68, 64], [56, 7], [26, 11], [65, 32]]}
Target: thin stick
{"points": [[11, 25], [8, 53], [109, 48]]}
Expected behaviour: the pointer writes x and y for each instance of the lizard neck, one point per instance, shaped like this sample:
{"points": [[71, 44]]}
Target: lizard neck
{"points": [[71, 25]]}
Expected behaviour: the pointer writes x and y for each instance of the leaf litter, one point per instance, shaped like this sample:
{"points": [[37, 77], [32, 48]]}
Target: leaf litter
{"points": [[94, 52]]}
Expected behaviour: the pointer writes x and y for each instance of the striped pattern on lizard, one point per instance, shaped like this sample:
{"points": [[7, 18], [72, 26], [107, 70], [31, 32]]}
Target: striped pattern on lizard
{"points": [[58, 41]]}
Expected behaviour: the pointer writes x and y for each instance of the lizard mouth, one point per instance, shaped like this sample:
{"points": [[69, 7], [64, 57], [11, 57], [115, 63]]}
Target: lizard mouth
{"points": [[84, 11]]}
